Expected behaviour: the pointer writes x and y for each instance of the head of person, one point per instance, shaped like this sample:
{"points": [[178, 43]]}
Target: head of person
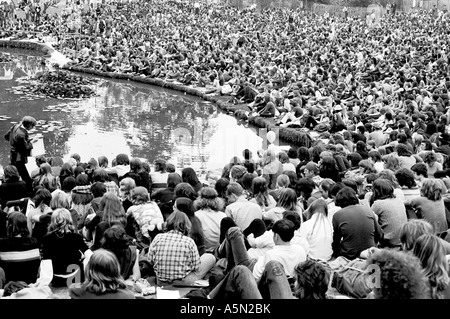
{"points": [[188, 175], [405, 177], [135, 165], [382, 189], [103, 273], [185, 190], [100, 175], [390, 176], [42, 197], [185, 205], [430, 251], [76, 157], [283, 231], [354, 159], [11, 173], [40, 160], [160, 166], [16, 225], [103, 161], [179, 221], [400, 275], [304, 188], [247, 154], [115, 239], [294, 217], [283, 157], [269, 156], [287, 199], [283, 181], [233, 192], [319, 206], [170, 168], [140, 195], [45, 169], [59, 200], [311, 280], [247, 182], [122, 159], [208, 200], [29, 122], [112, 208], [68, 184], [430, 158], [346, 197], [126, 185], [366, 167], [66, 170], [391, 162], [303, 154], [413, 229], [419, 170], [292, 153], [61, 221], [325, 185], [310, 170], [375, 156], [237, 172], [259, 185], [402, 150], [433, 189], [334, 189], [173, 179]]}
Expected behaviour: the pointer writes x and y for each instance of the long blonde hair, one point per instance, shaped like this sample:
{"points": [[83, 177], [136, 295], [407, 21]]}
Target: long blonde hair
{"points": [[103, 273], [430, 251], [320, 208]]}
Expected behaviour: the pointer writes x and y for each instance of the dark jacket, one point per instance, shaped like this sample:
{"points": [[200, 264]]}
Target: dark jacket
{"points": [[20, 143]]}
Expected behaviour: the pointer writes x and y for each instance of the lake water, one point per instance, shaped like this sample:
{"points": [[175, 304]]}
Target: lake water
{"points": [[125, 117]]}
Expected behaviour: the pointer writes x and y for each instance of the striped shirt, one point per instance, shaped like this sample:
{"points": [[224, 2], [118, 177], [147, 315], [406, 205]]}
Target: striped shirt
{"points": [[20, 258], [173, 255]]}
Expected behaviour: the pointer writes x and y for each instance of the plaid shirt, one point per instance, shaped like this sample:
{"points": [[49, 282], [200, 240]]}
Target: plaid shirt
{"points": [[173, 255]]}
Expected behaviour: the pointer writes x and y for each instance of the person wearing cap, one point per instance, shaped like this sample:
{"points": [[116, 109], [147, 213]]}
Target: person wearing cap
{"points": [[311, 170]]}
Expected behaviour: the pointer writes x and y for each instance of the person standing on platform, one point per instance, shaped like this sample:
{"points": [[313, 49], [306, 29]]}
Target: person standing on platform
{"points": [[21, 146]]}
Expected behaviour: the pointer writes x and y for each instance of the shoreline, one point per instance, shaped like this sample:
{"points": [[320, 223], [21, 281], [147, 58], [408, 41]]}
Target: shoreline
{"points": [[290, 135]]}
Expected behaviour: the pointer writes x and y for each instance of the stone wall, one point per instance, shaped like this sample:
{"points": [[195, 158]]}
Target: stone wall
{"points": [[27, 45]]}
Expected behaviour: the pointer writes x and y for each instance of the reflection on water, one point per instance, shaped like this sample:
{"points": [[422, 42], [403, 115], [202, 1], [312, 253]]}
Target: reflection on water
{"points": [[126, 117]]}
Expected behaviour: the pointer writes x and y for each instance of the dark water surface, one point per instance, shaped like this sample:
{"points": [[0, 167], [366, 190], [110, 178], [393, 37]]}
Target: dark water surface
{"points": [[126, 117]]}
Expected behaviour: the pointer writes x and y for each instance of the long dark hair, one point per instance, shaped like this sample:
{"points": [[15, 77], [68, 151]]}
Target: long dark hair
{"points": [[186, 206], [188, 175], [382, 189]]}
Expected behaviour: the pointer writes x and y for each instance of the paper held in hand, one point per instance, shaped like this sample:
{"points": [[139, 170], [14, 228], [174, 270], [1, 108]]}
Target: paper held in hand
{"points": [[38, 147]]}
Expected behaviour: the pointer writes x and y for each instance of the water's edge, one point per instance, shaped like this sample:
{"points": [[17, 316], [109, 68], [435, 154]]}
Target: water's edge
{"points": [[238, 110]]}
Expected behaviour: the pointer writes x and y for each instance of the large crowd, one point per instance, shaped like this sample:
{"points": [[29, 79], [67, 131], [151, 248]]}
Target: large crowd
{"points": [[367, 186]]}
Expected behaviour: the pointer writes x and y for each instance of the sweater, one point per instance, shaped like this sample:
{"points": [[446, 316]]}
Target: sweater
{"points": [[432, 211], [391, 214], [355, 229]]}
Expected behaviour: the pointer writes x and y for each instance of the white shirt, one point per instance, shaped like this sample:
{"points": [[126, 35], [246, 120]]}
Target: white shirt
{"points": [[319, 232], [243, 212], [288, 255], [211, 227]]}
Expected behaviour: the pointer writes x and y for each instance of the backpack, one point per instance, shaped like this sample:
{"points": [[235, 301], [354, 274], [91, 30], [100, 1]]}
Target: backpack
{"points": [[350, 279]]}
